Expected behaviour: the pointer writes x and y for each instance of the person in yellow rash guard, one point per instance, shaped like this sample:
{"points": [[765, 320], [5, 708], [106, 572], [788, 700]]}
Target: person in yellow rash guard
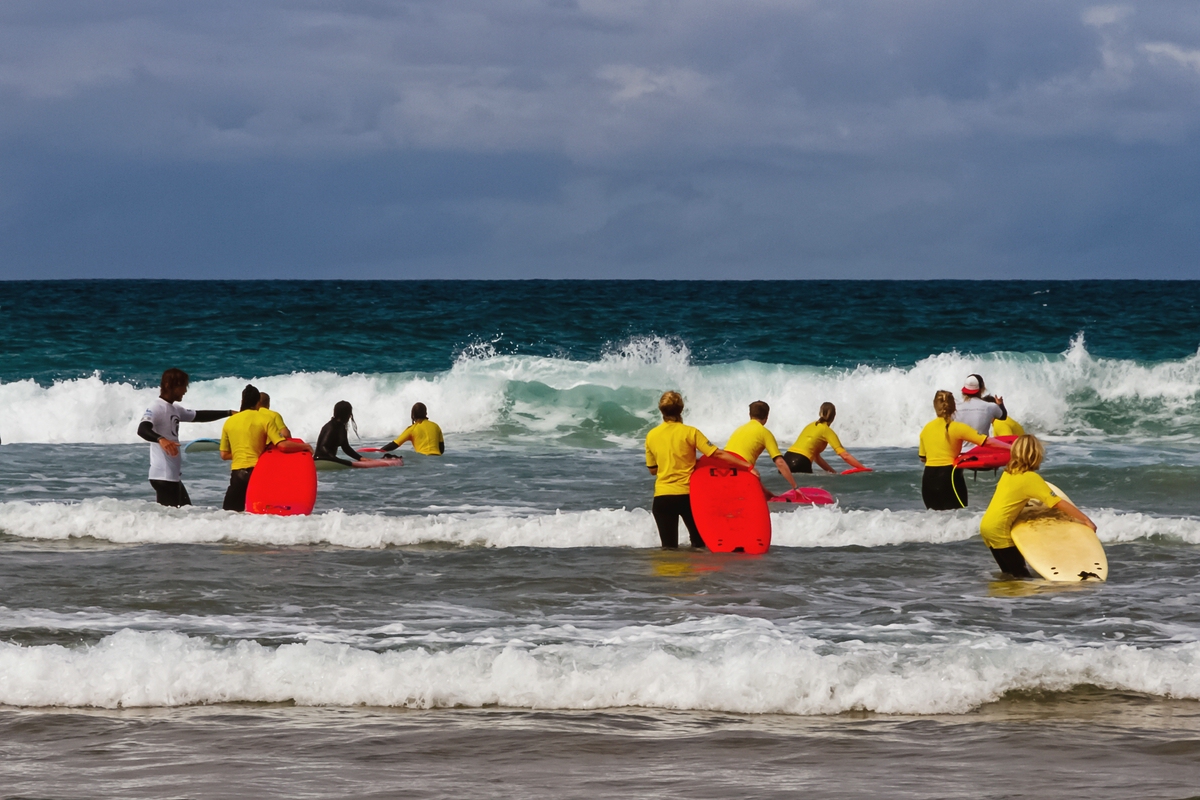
{"points": [[812, 441], [751, 439], [243, 439], [425, 435], [943, 487], [671, 458], [272, 417], [1019, 484], [1007, 427]]}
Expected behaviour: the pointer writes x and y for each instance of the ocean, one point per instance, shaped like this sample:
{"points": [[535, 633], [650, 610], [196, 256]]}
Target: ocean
{"points": [[501, 622]]}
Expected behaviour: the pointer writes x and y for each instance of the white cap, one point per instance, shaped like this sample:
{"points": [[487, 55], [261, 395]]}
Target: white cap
{"points": [[971, 385]]}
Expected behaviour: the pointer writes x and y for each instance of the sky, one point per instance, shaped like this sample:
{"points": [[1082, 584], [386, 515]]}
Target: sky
{"points": [[765, 139]]}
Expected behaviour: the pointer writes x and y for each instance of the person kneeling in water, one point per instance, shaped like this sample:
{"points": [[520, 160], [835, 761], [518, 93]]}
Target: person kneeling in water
{"points": [[801, 456], [751, 439], [333, 436], [424, 433], [943, 487], [1019, 484], [671, 458]]}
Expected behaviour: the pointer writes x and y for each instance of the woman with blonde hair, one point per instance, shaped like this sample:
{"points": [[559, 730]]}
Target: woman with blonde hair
{"points": [[943, 488], [801, 456], [1019, 484], [671, 458]]}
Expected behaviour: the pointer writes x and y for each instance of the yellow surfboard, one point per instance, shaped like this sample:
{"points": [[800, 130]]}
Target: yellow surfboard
{"points": [[1057, 547]]}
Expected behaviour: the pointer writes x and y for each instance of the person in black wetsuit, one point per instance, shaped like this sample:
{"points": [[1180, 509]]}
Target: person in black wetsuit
{"points": [[333, 437]]}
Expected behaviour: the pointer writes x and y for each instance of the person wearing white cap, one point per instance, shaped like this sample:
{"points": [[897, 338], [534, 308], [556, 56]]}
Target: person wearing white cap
{"points": [[977, 410]]}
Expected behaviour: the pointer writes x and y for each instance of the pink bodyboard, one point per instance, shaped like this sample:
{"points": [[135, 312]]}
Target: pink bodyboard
{"points": [[805, 495], [730, 508]]}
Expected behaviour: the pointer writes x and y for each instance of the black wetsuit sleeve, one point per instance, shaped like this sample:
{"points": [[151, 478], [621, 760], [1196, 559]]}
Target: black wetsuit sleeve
{"points": [[328, 441], [147, 432], [209, 416], [1003, 411], [389, 447], [346, 448]]}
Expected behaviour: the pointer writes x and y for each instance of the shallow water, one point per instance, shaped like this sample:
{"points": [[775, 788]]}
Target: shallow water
{"points": [[499, 621]]}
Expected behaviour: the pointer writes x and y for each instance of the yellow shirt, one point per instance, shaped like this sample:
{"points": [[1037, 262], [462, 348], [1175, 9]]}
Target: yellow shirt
{"points": [[1012, 492], [246, 435], [672, 448], [425, 436], [273, 418], [813, 438], [750, 440], [1007, 427], [940, 447]]}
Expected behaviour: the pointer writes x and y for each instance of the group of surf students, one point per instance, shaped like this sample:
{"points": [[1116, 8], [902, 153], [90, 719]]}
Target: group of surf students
{"points": [[249, 431], [671, 450]]}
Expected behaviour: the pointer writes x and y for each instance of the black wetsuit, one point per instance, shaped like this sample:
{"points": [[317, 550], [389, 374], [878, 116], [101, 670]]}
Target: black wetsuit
{"points": [[332, 437]]}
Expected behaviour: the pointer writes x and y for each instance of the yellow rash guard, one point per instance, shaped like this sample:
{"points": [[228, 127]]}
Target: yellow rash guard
{"points": [[813, 438], [425, 436], [750, 440], [672, 448], [940, 446], [246, 435], [1012, 492]]}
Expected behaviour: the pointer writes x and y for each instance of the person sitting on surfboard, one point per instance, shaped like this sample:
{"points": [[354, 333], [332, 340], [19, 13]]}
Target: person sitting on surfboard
{"points": [[243, 439], [273, 417], [1019, 484], [813, 439], [976, 409], [424, 434], [671, 458], [751, 439], [160, 427], [333, 436], [943, 487]]}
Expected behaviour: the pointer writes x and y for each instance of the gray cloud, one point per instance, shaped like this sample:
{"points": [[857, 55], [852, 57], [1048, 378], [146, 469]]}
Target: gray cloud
{"points": [[514, 138]]}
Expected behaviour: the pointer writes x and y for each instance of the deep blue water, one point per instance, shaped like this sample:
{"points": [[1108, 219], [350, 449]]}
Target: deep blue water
{"points": [[128, 329]]}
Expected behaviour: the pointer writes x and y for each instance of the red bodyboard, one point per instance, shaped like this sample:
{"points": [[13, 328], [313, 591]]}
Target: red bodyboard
{"points": [[985, 456], [854, 470], [805, 495], [283, 484], [730, 508]]}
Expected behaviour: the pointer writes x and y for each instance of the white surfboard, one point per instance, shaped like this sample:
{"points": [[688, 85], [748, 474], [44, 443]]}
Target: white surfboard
{"points": [[1059, 548]]}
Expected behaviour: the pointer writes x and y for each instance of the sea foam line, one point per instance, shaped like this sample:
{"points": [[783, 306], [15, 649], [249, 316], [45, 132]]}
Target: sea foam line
{"points": [[754, 669], [135, 521], [1068, 394]]}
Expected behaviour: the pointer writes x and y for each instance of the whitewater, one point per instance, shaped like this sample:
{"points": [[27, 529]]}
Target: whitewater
{"points": [[504, 611]]}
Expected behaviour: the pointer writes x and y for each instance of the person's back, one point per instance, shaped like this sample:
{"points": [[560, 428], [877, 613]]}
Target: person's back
{"points": [[978, 414], [750, 440], [246, 435], [671, 447]]}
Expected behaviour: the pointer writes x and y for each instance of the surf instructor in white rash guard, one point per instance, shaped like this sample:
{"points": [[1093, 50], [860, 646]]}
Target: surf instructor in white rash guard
{"points": [[977, 410], [160, 427]]}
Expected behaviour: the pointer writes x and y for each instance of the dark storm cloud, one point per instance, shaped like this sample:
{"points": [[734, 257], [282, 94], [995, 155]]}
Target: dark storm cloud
{"points": [[514, 138]]}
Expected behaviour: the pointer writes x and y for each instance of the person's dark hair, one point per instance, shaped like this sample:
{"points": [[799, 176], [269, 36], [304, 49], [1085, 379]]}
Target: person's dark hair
{"points": [[419, 412], [250, 397], [671, 406], [343, 412], [828, 412], [759, 410], [173, 379]]}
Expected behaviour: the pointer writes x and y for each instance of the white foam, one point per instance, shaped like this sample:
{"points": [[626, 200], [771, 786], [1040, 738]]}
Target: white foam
{"points": [[877, 406], [730, 664], [140, 522]]}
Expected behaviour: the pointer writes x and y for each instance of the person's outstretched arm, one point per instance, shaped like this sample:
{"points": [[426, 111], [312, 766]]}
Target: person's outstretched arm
{"points": [[784, 470], [1073, 511], [994, 442], [734, 461], [820, 462], [289, 446], [851, 460]]}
